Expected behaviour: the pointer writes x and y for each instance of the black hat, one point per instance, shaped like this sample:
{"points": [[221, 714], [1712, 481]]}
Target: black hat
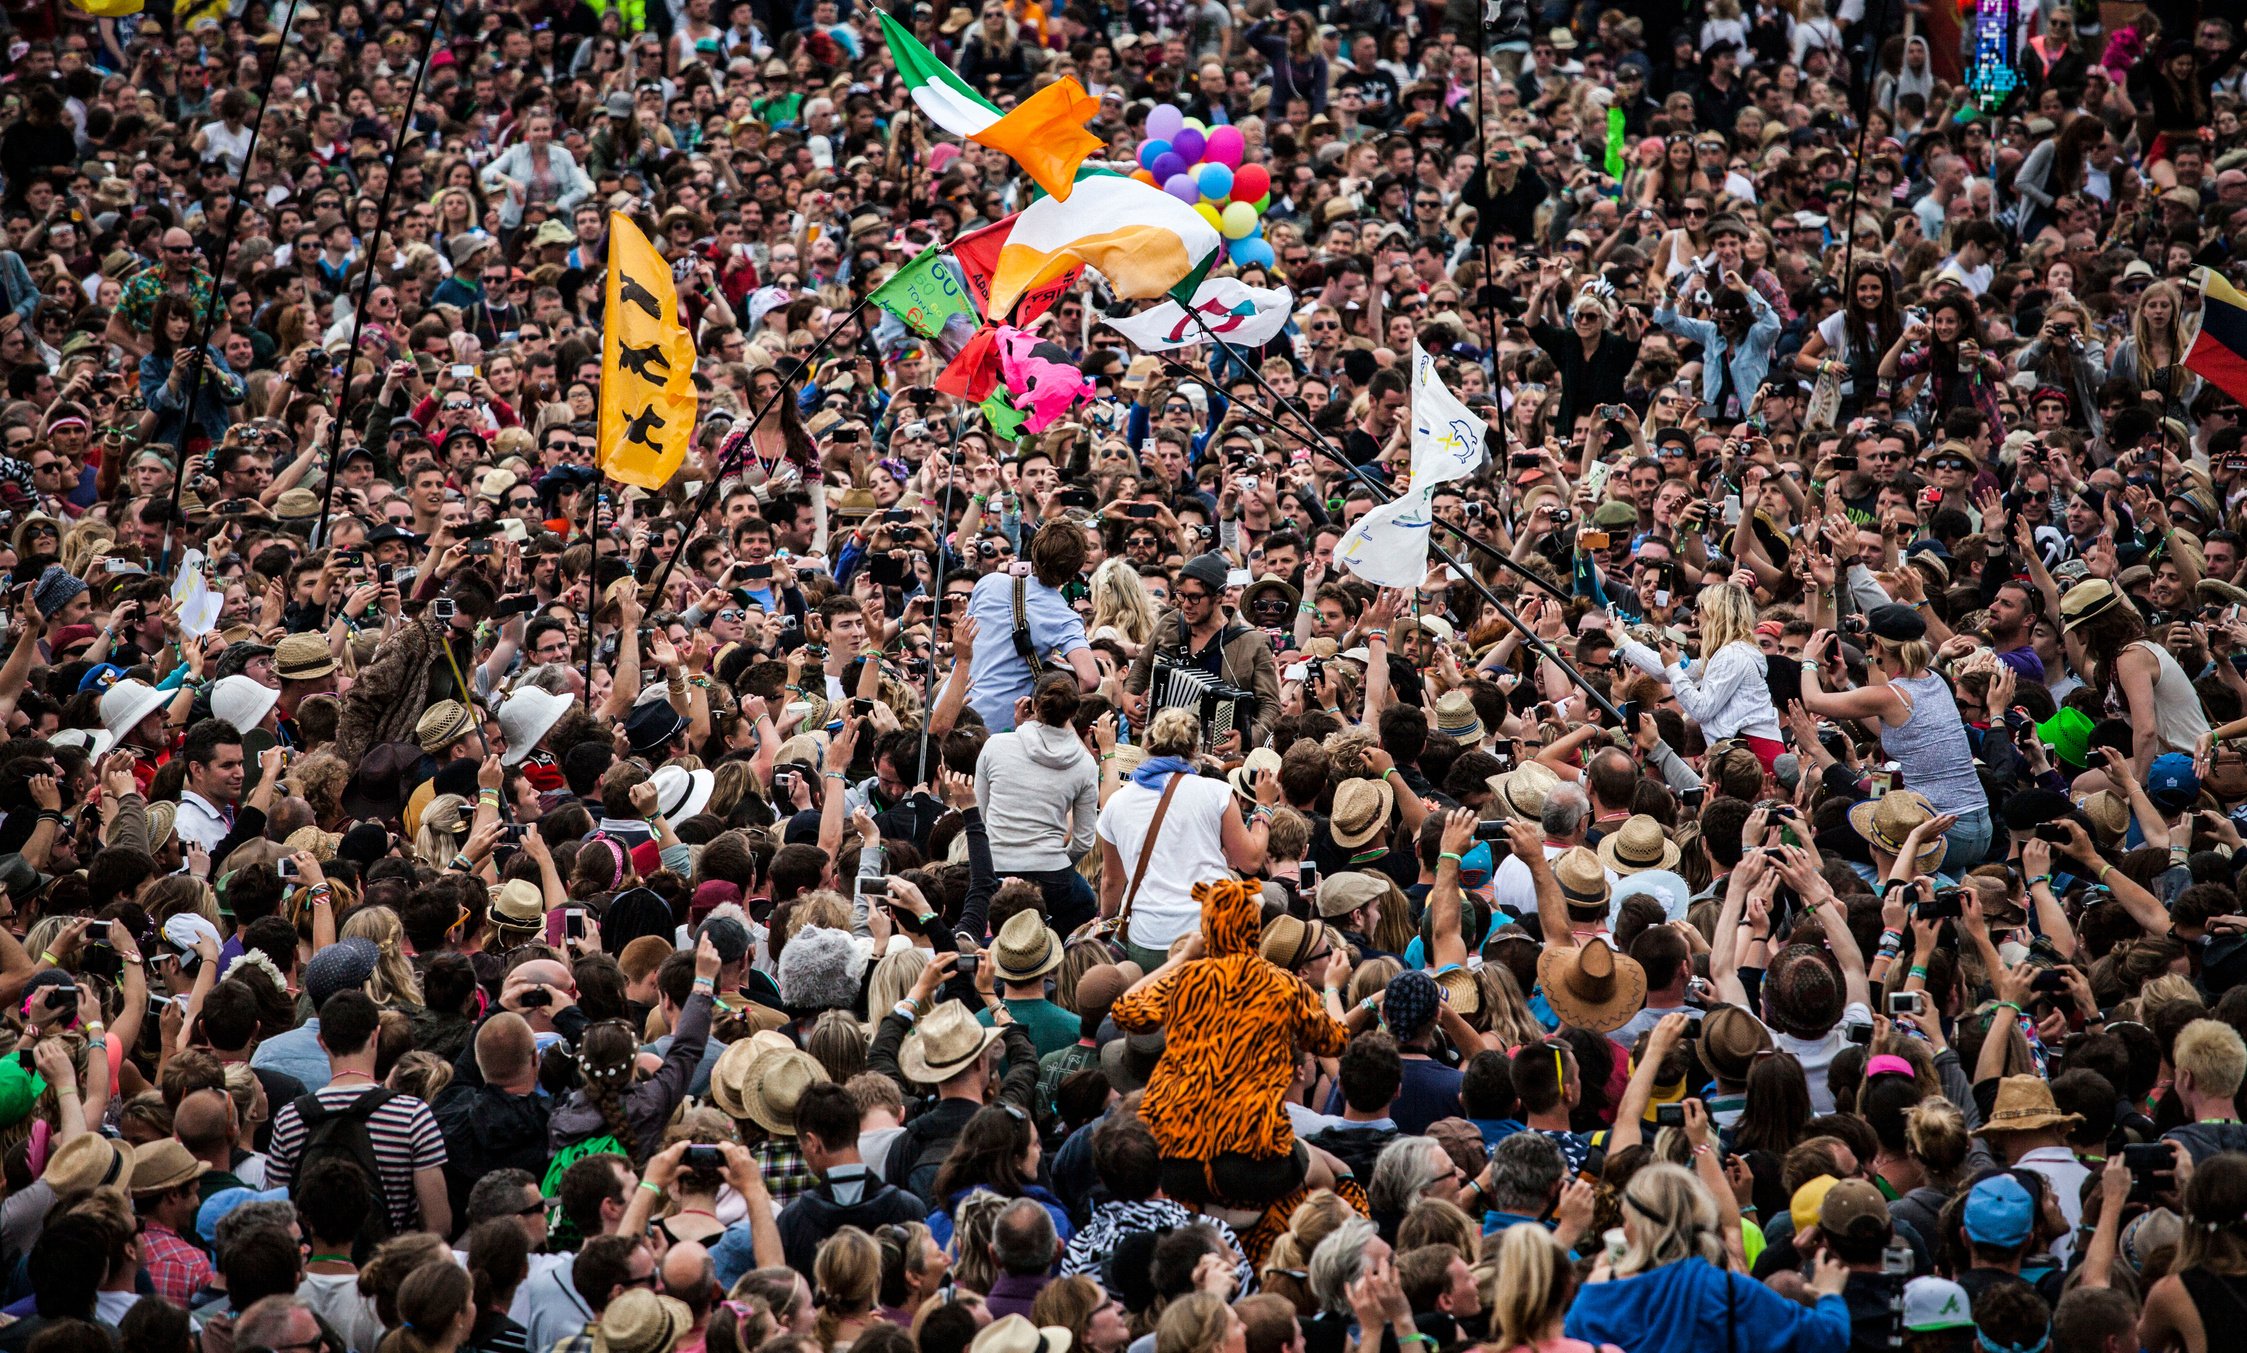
{"points": [[2031, 808], [1210, 570], [387, 532], [1897, 623], [652, 724]]}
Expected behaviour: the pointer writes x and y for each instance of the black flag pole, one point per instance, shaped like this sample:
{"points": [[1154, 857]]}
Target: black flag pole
{"points": [[211, 308], [593, 587], [320, 528], [959, 421]]}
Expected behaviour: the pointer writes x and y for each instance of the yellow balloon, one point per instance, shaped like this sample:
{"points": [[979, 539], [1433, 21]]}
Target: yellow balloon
{"points": [[1210, 214], [1237, 222]]}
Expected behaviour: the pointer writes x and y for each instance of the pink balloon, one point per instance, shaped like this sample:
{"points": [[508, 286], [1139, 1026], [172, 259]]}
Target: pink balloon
{"points": [[1223, 146]]}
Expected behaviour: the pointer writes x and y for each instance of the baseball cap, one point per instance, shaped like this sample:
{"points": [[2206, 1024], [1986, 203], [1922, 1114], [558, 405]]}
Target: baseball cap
{"points": [[2172, 783], [1853, 1207], [1936, 1304], [1999, 1212]]}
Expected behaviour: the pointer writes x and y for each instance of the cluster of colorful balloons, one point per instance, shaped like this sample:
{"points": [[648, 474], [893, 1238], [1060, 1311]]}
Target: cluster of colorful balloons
{"points": [[1201, 166]]}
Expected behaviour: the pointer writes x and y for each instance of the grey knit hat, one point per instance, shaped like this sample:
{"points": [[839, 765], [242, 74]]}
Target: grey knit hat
{"points": [[54, 590]]}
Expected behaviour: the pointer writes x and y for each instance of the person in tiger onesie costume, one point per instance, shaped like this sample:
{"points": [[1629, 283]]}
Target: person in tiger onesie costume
{"points": [[1231, 1023]]}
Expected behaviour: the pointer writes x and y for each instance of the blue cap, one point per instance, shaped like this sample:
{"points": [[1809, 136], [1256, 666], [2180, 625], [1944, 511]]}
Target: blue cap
{"points": [[2172, 783], [215, 1208], [1474, 866], [2000, 1212], [100, 677]]}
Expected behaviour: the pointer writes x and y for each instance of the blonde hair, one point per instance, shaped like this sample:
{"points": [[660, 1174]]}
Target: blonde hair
{"points": [[846, 1276], [393, 982], [1935, 1134], [1120, 601], [1910, 656], [441, 822], [1671, 1217], [1174, 732], [1534, 1285], [2212, 1051], [1195, 1323], [893, 978], [1504, 1011], [1727, 617]]}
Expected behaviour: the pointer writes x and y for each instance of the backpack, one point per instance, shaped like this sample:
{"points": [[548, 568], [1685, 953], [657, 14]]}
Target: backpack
{"points": [[341, 1132]]}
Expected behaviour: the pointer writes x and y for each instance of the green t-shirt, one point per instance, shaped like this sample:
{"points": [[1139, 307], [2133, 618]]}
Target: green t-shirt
{"points": [[1049, 1026]]}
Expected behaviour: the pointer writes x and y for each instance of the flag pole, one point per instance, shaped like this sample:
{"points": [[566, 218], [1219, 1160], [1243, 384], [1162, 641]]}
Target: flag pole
{"points": [[1537, 644], [741, 439], [320, 528], [211, 308], [959, 421], [593, 586]]}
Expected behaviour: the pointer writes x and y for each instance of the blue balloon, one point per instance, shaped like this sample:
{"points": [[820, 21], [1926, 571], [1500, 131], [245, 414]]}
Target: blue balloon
{"points": [[1253, 251], [1167, 166], [1183, 187], [1216, 181], [1151, 151]]}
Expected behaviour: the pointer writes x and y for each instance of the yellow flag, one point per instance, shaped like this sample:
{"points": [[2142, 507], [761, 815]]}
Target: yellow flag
{"points": [[110, 9], [647, 364]]}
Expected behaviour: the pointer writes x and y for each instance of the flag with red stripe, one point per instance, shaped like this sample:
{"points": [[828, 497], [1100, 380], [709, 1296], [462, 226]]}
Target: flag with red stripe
{"points": [[2219, 351]]}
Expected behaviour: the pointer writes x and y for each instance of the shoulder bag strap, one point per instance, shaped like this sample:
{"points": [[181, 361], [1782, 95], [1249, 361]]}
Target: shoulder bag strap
{"points": [[1147, 847], [1022, 642]]}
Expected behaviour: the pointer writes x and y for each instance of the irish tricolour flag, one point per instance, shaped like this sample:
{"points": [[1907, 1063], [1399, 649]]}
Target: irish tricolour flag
{"points": [[1044, 134]]}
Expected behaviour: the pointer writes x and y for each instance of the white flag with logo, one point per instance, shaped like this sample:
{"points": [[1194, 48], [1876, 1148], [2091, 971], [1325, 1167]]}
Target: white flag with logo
{"points": [[1240, 314], [198, 604], [1388, 546]]}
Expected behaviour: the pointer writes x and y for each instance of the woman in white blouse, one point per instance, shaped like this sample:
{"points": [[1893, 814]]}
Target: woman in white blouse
{"points": [[1726, 693]]}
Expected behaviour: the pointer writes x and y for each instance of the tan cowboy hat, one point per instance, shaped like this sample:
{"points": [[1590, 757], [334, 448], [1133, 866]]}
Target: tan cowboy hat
{"points": [[1591, 986], [2109, 814], [1730, 1039], [1026, 949], [1886, 821], [2025, 1104], [1522, 790], [729, 1078], [1361, 808], [1582, 879], [1462, 989], [1638, 845], [947, 1042]]}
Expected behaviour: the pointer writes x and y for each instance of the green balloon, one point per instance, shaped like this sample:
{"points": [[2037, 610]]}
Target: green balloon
{"points": [[1263, 204]]}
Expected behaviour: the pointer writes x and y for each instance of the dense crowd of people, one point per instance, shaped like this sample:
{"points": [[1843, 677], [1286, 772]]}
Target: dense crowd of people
{"points": [[908, 884]]}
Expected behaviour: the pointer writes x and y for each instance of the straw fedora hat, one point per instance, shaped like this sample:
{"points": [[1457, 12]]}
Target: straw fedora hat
{"points": [[1730, 1039], [1887, 820], [89, 1161], [1637, 846], [1026, 949], [1522, 790], [729, 1077], [640, 1321], [946, 1042], [1361, 808], [1014, 1334], [1591, 986], [1462, 989], [1456, 718], [777, 1079], [2025, 1104], [1243, 776], [1582, 879]]}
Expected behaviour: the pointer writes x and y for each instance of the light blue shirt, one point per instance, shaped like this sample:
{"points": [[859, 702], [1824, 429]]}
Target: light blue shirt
{"points": [[297, 1052], [1750, 362], [997, 676]]}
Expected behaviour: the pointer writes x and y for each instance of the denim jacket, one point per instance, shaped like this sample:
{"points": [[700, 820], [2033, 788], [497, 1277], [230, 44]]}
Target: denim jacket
{"points": [[1750, 361]]}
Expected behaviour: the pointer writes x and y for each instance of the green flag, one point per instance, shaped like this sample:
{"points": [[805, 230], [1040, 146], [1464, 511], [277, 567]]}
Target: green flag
{"points": [[1615, 144], [925, 293], [1003, 417]]}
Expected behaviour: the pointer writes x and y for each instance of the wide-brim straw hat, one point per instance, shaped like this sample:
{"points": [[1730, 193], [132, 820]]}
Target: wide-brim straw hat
{"points": [[1638, 845], [1591, 986], [1885, 822]]}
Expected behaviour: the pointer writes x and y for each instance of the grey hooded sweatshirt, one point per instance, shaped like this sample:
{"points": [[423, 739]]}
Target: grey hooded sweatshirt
{"points": [[1039, 790]]}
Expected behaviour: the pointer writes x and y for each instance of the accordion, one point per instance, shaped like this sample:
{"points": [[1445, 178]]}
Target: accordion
{"points": [[1221, 708]]}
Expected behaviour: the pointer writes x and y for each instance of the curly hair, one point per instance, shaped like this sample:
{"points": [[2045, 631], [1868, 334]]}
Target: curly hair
{"points": [[394, 982], [320, 778]]}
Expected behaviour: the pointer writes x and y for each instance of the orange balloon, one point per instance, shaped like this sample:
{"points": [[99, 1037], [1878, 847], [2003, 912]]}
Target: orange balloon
{"points": [[1146, 176]]}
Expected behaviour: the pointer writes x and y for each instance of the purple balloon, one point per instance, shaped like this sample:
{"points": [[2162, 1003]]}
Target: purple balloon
{"points": [[1167, 166], [1164, 120], [1190, 144], [1182, 186]]}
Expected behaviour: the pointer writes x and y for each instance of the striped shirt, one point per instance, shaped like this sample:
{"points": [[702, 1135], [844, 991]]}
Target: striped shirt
{"points": [[405, 1138]]}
